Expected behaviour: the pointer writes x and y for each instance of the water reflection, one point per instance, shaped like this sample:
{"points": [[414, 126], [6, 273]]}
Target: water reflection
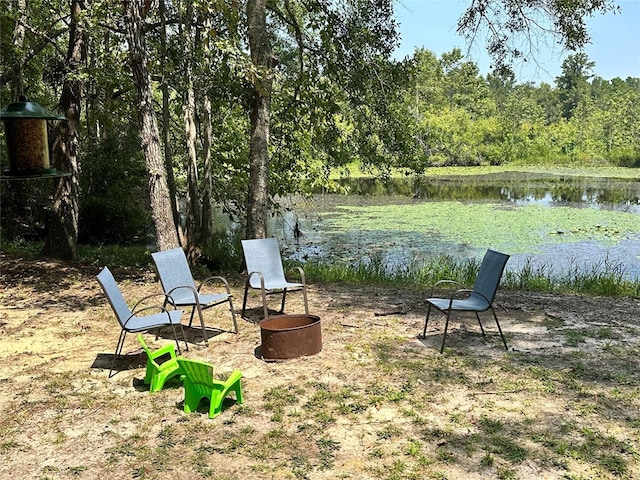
{"points": [[519, 189]]}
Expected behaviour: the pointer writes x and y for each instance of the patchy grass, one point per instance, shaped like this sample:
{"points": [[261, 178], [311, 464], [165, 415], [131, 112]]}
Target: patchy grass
{"points": [[376, 403]]}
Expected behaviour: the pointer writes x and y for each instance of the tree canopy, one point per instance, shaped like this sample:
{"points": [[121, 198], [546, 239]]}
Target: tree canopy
{"points": [[336, 97]]}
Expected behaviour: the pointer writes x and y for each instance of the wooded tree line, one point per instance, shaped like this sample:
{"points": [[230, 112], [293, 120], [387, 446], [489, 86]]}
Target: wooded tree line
{"points": [[462, 118], [175, 107]]}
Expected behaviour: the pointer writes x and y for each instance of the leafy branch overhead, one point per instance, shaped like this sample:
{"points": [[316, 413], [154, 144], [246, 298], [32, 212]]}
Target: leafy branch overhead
{"points": [[515, 28]]}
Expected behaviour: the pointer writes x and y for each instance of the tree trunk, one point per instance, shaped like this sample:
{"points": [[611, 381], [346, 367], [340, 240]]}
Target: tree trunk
{"points": [[193, 199], [206, 230], [207, 193], [166, 121], [62, 236], [17, 87], [159, 195], [190, 129], [260, 117]]}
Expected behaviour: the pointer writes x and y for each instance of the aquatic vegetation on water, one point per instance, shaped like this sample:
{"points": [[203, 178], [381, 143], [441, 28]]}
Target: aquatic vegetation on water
{"points": [[512, 228]]}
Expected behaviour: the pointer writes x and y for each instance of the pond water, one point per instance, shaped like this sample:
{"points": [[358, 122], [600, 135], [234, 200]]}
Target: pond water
{"points": [[560, 222]]}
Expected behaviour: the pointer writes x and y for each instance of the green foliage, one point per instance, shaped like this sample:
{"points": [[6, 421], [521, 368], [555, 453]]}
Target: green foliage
{"points": [[115, 256], [513, 28], [604, 280], [572, 84], [113, 208], [223, 252], [459, 118], [25, 207], [338, 98]]}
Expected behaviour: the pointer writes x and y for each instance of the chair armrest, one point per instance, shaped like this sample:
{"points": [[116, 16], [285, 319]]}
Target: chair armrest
{"points": [[217, 279], [193, 290], [458, 293], [446, 282], [300, 272], [259, 274], [480, 295], [461, 290], [166, 296]]}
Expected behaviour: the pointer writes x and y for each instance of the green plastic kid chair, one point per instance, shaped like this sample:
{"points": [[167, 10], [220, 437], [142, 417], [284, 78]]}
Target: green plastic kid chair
{"points": [[158, 373], [199, 383]]}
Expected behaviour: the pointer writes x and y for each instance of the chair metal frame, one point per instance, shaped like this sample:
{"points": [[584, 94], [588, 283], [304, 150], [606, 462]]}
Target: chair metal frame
{"points": [[265, 272], [478, 299], [130, 319], [177, 282]]}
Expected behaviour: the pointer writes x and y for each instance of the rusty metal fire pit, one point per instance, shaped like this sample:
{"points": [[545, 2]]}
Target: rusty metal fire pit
{"points": [[290, 336]]}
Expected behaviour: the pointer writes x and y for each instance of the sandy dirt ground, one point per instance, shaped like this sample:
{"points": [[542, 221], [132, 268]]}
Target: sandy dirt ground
{"points": [[63, 417]]}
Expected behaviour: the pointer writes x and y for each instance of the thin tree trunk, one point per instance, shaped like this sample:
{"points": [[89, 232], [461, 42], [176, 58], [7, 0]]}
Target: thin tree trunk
{"points": [[18, 40], [189, 107], [166, 121], [260, 117], [62, 236], [207, 189], [159, 195], [207, 193]]}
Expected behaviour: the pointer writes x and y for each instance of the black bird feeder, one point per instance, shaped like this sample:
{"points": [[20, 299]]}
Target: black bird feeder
{"points": [[27, 141]]}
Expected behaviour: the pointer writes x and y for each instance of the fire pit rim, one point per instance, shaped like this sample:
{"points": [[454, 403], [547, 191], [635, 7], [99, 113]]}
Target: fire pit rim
{"points": [[264, 323]]}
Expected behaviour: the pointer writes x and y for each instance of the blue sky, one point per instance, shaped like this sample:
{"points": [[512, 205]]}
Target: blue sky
{"points": [[614, 47]]}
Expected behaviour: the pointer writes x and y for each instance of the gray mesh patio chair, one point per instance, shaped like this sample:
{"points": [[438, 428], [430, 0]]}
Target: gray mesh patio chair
{"points": [[479, 299], [177, 282], [131, 320], [266, 273]]}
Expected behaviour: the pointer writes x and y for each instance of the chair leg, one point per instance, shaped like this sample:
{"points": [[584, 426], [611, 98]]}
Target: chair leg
{"points": [[499, 329], [284, 297], [123, 334], [244, 300], [204, 330], [184, 339], [426, 321], [306, 304], [175, 335], [233, 315], [215, 403], [264, 303], [193, 311], [444, 335], [480, 323], [304, 296], [148, 374], [164, 306], [237, 387], [192, 399], [232, 384]]}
